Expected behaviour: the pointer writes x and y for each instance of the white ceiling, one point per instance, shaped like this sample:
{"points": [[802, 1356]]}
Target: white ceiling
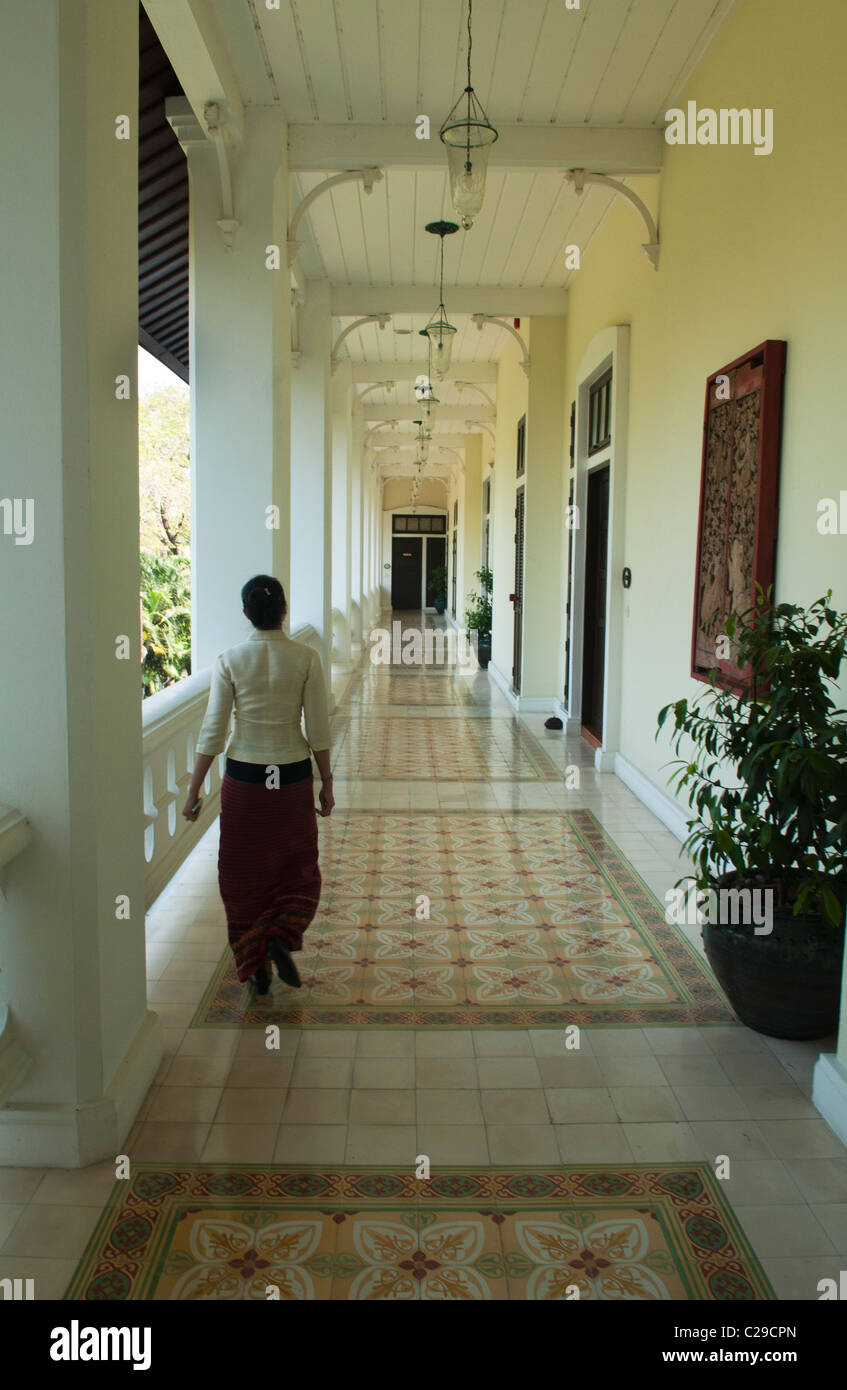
{"points": [[612, 63], [379, 238]]}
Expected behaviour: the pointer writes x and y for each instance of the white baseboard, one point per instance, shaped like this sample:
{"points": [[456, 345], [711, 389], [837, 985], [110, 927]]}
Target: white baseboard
{"points": [[502, 684], [662, 806], [829, 1093], [523, 704], [73, 1136]]}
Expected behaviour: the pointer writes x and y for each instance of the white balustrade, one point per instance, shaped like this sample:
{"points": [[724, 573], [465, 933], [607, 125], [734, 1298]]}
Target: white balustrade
{"points": [[171, 722], [15, 1062], [15, 835]]}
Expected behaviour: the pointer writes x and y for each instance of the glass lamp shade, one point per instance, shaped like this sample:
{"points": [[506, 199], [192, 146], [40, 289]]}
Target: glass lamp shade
{"points": [[468, 167], [468, 135], [423, 448], [441, 335]]}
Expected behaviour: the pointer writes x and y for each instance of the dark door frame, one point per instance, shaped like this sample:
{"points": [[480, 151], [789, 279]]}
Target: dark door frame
{"points": [[595, 604]]}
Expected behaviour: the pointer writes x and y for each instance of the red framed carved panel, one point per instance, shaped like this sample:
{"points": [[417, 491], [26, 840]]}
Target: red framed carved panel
{"points": [[739, 502]]}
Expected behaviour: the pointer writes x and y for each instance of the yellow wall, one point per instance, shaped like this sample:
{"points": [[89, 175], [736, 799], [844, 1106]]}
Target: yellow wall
{"points": [[398, 493], [752, 248], [511, 405]]}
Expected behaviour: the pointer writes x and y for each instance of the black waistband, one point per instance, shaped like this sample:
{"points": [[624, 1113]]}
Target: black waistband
{"points": [[260, 772]]}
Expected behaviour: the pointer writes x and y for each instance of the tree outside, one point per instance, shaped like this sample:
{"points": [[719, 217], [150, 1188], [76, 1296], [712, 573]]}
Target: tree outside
{"points": [[165, 498]]}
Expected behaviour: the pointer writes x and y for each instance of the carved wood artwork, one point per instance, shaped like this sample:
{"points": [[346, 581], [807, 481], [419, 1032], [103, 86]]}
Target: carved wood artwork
{"points": [[736, 546]]}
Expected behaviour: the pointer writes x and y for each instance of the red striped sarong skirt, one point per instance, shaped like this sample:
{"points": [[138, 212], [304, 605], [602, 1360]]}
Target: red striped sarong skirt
{"points": [[268, 871]]}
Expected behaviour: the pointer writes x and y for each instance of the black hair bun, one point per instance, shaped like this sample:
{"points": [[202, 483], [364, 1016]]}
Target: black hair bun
{"points": [[263, 600]]}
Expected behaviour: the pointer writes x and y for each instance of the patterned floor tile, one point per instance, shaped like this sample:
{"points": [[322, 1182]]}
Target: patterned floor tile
{"points": [[452, 750], [659, 1232], [478, 920], [381, 687]]}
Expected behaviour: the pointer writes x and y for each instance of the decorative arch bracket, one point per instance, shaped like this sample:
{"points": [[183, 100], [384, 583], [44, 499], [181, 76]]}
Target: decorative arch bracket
{"points": [[228, 223], [381, 319], [367, 177], [482, 319], [651, 248]]}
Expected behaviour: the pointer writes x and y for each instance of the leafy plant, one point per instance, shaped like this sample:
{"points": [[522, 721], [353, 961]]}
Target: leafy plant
{"points": [[164, 470], [478, 612], [438, 583], [783, 823], [165, 621]]}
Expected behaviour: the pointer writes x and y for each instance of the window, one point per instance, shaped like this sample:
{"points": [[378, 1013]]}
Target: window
{"points": [[416, 524], [521, 447], [600, 414], [456, 513], [486, 497]]}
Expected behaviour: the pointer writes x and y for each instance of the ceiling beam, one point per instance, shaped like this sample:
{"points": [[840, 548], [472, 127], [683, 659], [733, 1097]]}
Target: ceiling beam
{"points": [[189, 33], [505, 301], [614, 150], [366, 372], [472, 410], [402, 439]]}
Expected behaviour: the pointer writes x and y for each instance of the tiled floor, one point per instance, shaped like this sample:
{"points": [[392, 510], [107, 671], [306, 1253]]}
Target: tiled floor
{"points": [[461, 1096]]}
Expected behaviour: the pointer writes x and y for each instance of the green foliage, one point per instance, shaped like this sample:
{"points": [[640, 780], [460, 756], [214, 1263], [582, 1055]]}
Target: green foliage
{"points": [[438, 583], [163, 470], [478, 611], [783, 824], [165, 620]]}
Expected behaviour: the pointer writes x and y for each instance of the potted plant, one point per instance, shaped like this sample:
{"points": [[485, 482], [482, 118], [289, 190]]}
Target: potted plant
{"points": [[478, 616], [438, 588], [768, 779]]}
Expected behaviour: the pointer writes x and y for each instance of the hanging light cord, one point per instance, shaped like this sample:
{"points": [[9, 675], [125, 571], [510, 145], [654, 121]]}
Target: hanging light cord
{"points": [[470, 40], [441, 279], [468, 90]]}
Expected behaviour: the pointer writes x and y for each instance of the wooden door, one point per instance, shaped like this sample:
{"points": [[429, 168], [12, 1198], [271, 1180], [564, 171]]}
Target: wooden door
{"points": [[406, 571], [594, 628], [518, 596]]}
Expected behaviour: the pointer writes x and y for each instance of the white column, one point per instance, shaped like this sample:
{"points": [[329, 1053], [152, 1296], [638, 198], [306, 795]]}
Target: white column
{"points": [[72, 918], [470, 516], [367, 545], [240, 379], [546, 447], [311, 471], [342, 463], [356, 538]]}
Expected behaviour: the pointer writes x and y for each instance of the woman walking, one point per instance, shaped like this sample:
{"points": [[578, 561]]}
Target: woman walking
{"points": [[268, 871]]}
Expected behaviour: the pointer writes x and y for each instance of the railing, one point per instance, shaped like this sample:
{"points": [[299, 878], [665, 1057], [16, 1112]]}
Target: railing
{"points": [[15, 1062], [15, 835], [171, 722]]}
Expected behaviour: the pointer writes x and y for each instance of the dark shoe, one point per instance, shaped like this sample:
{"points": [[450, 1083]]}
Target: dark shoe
{"points": [[285, 967], [262, 981]]}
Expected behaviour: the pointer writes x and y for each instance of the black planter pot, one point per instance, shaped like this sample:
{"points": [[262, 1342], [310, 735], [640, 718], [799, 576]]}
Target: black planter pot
{"points": [[786, 984], [439, 604], [483, 652]]}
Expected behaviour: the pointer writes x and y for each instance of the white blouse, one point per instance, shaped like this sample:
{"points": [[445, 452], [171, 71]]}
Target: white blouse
{"points": [[266, 682]]}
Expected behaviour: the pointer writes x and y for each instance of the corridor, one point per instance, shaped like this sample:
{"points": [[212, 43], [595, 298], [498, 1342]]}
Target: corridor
{"points": [[495, 1026], [447, 324]]}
